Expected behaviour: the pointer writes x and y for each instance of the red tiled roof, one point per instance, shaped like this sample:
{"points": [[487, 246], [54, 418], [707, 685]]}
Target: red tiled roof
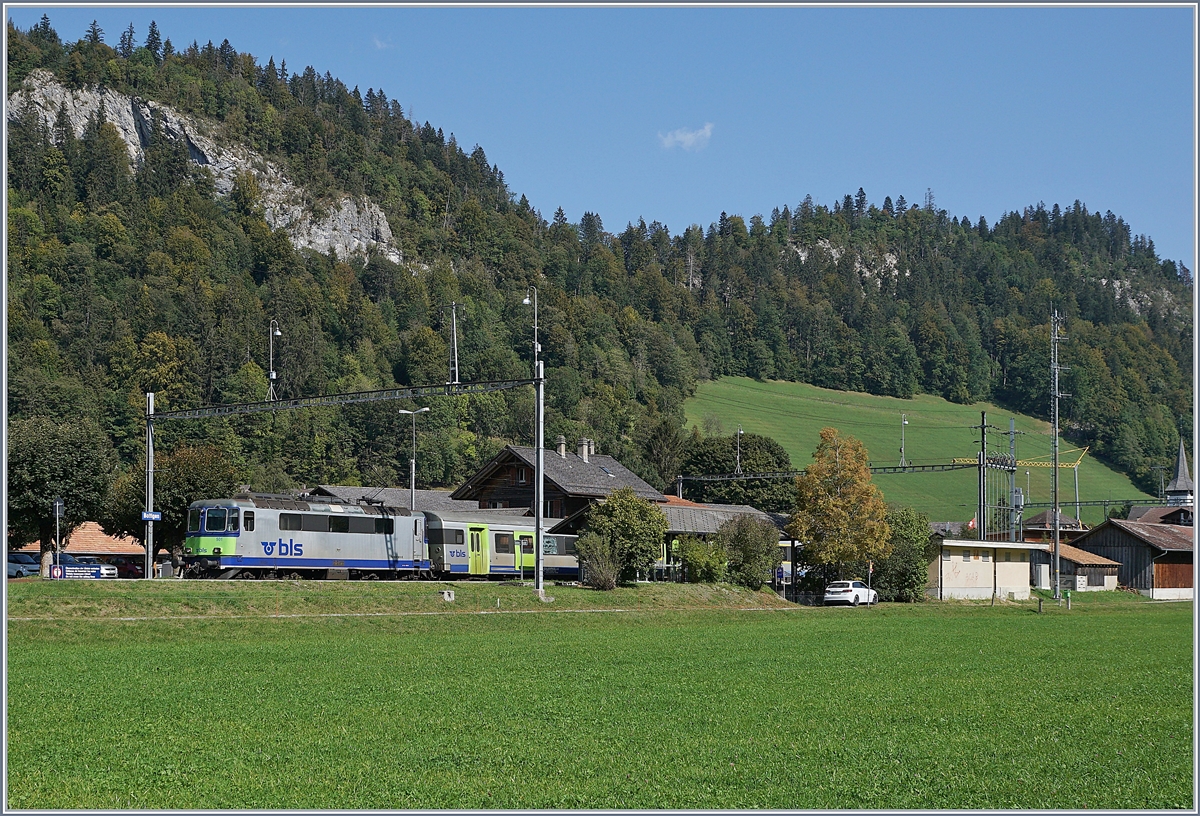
{"points": [[89, 539], [675, 501]]}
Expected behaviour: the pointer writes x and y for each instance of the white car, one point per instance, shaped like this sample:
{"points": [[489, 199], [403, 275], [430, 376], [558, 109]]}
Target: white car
{"points": [[850, 592]]}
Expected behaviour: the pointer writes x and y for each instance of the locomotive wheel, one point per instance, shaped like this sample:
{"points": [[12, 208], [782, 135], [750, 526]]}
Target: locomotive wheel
{"points": [[292, 576], [246, 575]]}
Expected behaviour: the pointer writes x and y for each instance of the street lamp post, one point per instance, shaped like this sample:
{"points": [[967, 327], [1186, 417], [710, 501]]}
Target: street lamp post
{"points": [[412, 462], [58, 512], [737, 467], [903, 422], [272, 332], [538, 447]]}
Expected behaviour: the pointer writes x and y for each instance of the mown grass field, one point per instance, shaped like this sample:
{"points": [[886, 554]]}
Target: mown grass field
{"points": [[793, 414], [265, 695]]}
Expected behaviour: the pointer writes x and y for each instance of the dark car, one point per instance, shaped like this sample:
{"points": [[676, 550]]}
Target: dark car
{"points": [[127, 567], [21, 565]]}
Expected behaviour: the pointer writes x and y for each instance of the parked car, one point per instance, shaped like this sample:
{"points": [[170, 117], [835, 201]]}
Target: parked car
{"points": [[127, 567], [21, 565], [88, 559], [850, 592]]}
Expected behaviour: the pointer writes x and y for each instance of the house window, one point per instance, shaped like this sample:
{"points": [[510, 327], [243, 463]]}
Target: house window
{"points": [[966, 555], [521, 476], [987, 556], [945, 555], [1008, 555]]}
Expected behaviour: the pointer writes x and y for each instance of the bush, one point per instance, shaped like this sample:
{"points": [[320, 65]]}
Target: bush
{"points": [[703, 561], [902, 576], [752, 546], [635, 527], [599, 561]]}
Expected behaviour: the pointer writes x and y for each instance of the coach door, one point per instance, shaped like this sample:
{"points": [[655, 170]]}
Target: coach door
{"points": [[477, 550]]}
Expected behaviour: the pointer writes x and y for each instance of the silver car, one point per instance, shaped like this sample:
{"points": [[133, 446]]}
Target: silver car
{"points": [[850, 592]]}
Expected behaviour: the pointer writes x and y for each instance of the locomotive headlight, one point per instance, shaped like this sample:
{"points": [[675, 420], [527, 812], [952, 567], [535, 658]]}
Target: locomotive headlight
{"points": [[216, 550]]}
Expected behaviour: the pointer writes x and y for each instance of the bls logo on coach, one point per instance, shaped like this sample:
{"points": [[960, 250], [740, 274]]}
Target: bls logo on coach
{"points": [[288, 547]]}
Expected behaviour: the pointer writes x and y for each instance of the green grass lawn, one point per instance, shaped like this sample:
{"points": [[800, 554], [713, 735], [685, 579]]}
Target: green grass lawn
{"points": [[654, 696], [794, 413]]}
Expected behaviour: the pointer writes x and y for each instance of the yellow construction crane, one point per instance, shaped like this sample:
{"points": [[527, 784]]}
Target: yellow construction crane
{"points": [[1035, 462]]}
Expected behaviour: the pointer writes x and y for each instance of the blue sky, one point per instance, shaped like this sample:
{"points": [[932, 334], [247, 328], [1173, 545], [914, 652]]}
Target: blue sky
{"points": [[678, 114]]}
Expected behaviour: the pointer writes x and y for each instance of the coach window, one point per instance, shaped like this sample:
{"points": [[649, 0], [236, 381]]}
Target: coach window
{"points": [[504, 542], [289, 521], [527, 544], [214, 520], [339, 524], [248, 521], [569, 548], [194, 520]]}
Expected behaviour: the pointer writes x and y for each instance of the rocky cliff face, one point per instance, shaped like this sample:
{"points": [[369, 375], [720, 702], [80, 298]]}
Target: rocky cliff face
{"points": [[348, 226]]}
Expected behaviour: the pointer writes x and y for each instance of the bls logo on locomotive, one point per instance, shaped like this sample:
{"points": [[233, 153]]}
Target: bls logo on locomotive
{"points": [[289, 547]]}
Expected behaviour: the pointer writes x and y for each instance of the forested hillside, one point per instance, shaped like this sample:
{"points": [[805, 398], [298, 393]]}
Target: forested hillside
{"points": [[125, 279]]}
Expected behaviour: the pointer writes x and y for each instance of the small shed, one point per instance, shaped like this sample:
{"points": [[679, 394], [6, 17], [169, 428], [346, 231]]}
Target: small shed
{"points": [[1078, 569], [1154, 559]]}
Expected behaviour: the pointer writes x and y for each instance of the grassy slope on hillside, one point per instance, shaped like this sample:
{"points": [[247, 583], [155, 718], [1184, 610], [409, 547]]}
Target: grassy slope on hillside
{"points": [[794, 413], [953, 705]]}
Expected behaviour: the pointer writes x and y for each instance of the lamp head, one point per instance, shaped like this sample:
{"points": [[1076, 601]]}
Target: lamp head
{"points": [[278, 333], [526, 301]]}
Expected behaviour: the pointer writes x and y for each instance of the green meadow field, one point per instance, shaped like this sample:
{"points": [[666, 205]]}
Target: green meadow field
{"points": [[191, 695], [793, 414]]}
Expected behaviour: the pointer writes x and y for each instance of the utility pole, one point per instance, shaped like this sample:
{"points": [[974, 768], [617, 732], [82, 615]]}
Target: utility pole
{"points": [[981, 524], [1161, 489], [1015, 500], [903, 422], [149, 483], [738, 466], [1056, 323], [272, 332], [453, 307]]}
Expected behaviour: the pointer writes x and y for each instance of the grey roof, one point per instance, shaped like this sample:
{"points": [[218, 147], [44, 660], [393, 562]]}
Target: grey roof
{"points": [[432, 500], [1182, 483], [707, 518], [596, 478], [1160, 515], [1159, 536]]}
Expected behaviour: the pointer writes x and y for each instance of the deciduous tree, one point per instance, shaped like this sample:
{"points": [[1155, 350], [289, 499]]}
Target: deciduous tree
{"points": [[840, 516]]}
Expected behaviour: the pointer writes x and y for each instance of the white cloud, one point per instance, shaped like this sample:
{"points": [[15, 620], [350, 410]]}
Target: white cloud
{"points": [[380, 44], [687, 139]]}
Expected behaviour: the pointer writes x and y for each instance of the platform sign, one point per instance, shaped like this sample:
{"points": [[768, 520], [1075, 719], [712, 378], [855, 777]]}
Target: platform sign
{"points": [[56, 571], [151, 515]]}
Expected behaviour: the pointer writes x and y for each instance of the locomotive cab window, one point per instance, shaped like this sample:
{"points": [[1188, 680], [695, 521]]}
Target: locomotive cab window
{"points": [[214, 520], [194, 520], [248, 521]]}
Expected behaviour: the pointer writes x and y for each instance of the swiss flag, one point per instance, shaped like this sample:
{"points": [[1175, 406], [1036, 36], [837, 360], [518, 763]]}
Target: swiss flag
{"points": [[971, 523]]}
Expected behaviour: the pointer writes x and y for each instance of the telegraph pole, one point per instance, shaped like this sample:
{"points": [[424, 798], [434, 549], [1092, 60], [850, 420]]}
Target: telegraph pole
{"points": [[1056, 322]]}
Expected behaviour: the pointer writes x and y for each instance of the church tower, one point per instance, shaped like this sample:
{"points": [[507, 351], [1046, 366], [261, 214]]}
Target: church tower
{"points": [[1181, 491]]}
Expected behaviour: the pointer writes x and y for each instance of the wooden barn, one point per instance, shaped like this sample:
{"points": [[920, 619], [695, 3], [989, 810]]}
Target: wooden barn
{"points": [[1080, 570], [1154, 559]]}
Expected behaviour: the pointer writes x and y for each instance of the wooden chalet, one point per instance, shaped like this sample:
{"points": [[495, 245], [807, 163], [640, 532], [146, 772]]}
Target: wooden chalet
{"points": [[574, 479], [1154, 559]]}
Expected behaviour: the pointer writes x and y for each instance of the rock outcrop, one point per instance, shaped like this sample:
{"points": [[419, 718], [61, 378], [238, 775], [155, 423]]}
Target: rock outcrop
{"points": [[349, 226]]}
